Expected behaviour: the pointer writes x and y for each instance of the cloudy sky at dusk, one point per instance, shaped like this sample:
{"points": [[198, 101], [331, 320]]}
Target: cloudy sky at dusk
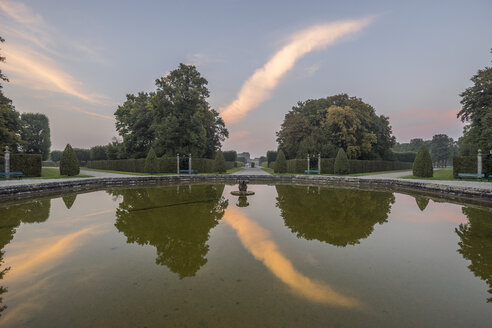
{"points": [[76, 60]]}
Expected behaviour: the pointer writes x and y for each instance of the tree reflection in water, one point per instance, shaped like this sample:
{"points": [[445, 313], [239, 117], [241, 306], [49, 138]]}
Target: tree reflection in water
{"points": [[476, 243], [176, 220], [11, 216], [338, 216]]}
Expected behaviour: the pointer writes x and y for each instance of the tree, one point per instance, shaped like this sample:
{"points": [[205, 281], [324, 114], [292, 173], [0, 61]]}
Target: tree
{"points": [[98, 153], [442, 148], [35, 132], [422, 166], [83, 155], [477, 112], [151, 162], [325, 124], [280, 163], [69, 165], [56, 155], [176, 118], [115, 149], [10, 126], [219, 164], [341, 163], [271, 156], [230, 155]]}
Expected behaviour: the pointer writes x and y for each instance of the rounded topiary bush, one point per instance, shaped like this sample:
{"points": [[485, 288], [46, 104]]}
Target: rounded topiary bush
{"points": [[341, 165], [69, 164], [422, 166], [220, 164], [280, 163], [151, 162]]}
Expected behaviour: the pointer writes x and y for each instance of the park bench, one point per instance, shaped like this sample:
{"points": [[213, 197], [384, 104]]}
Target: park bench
{"points": [[11, 174], [471, 176], [311, 171], [188, 171]]}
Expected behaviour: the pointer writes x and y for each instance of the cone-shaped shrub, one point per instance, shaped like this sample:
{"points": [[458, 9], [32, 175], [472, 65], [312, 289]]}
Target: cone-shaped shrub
{"points": [[69, 165], [422, 166], [280, 163], [341, 163], [151, 162], [220, 164]]}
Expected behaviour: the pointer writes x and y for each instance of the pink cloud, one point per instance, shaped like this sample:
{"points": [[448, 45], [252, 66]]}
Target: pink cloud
{"points": [[424, 123]]}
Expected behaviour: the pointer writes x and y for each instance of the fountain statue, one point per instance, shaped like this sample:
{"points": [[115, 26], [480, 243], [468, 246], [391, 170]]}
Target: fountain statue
{"points": [[243, 189]]}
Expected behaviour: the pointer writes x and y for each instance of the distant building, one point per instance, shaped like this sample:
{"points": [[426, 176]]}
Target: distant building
{"points": [[245, 155]]}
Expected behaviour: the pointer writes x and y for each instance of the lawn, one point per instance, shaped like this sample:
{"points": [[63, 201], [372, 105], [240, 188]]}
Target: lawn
{"points": [[230, 171], [440, 174], [54, 173]]}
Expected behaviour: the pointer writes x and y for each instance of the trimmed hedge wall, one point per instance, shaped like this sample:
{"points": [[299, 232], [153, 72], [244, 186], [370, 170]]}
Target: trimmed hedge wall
{"points": [[356, 166], [464, 164], [28, 164], [166, 165]]}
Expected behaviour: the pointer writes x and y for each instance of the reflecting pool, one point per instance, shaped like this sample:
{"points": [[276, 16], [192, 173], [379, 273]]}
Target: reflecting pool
{"points": [[289, 256]]}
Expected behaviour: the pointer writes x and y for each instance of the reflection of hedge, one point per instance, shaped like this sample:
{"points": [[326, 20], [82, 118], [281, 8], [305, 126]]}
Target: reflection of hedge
{"points": [[166, 165], [464, 164], [356, 166], [28, 164]]}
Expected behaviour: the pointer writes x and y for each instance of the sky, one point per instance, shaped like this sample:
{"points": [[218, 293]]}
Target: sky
{"points": [[75, 61]]}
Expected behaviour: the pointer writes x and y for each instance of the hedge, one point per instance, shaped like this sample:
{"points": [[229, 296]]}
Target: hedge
{"points": [[464, 164], [405, 157], [166, 165], [355, 166], [28, 164]]}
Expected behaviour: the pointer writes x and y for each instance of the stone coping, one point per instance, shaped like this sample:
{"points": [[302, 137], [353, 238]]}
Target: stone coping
{"points": [[482, 193]]}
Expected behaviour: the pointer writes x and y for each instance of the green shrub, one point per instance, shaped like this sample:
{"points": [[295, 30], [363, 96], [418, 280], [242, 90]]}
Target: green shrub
{"points": [[151, 163], [464, 164], [296, 165], [28, 164], [220, 164], [280, 163], [69, 165], [341, 165], [422, 166]]}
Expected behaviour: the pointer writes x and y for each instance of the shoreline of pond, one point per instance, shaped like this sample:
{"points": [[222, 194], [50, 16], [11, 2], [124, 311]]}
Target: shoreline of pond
{"points": [[442, 188]]}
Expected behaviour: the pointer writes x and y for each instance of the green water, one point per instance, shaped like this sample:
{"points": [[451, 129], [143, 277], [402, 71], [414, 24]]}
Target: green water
{"points": [[289, 256]]}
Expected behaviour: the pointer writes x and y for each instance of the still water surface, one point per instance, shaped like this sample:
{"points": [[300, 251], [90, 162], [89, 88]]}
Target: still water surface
{"points": [[289, 256]]}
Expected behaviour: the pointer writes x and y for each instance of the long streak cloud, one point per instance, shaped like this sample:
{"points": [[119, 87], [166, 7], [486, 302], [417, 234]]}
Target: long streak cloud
{"points": [[259, 86]]}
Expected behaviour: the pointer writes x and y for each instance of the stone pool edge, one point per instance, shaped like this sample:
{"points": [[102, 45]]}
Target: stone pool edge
{"points": [[37, 188]]}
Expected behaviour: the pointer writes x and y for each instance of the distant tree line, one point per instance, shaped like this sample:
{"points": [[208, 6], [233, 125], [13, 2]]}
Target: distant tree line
{"points": [[442, 148]]}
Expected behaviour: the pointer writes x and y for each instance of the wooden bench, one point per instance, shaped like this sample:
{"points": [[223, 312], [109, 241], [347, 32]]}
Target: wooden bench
{"points": [[11, 174], [311, 171], [471, 176], [188, 171]]}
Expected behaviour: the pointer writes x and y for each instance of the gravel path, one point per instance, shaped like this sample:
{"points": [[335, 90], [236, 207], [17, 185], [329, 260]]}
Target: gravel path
{"points": [[251, 171]]}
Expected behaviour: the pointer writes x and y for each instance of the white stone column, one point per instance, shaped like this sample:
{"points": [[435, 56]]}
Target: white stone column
{"points": [[479, 162], [7, 160]]}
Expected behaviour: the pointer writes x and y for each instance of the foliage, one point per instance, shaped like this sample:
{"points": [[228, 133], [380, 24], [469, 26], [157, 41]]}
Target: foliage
{"points": [[157, 217], [271, 156], [230, 155], [176, 118], [477, 112], [151, 163], [115, 150], [98, 153], [323, 125], [83, 155], [341, 165], [299, 165], [69, 199], [422, 202], [422, 166], [220, 164], [442, 148], [35, 131], [329, 215], [56, 155], [262, 160], [280, 163], [69, 165], [405, 157], [464, 164], [28, 164]]}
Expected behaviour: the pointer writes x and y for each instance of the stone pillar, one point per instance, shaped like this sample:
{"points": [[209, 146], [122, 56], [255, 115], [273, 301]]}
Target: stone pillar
{"points": [[7, 160], [309, 166], [319, 164], [177, 162], [479, 162], [189, 164]]}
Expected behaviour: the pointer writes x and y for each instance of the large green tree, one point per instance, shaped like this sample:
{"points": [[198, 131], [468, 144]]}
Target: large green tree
{"points": [[176, 118], [326, 124], [477, 112], [36, 133], [442, 148], [10, 125]]}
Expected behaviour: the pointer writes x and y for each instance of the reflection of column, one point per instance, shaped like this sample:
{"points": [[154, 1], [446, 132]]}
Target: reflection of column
{"points": [[258, 242], [7, 160], [308, 164], [319, 163], [479, 162], [177, 161], [189, 164]]}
